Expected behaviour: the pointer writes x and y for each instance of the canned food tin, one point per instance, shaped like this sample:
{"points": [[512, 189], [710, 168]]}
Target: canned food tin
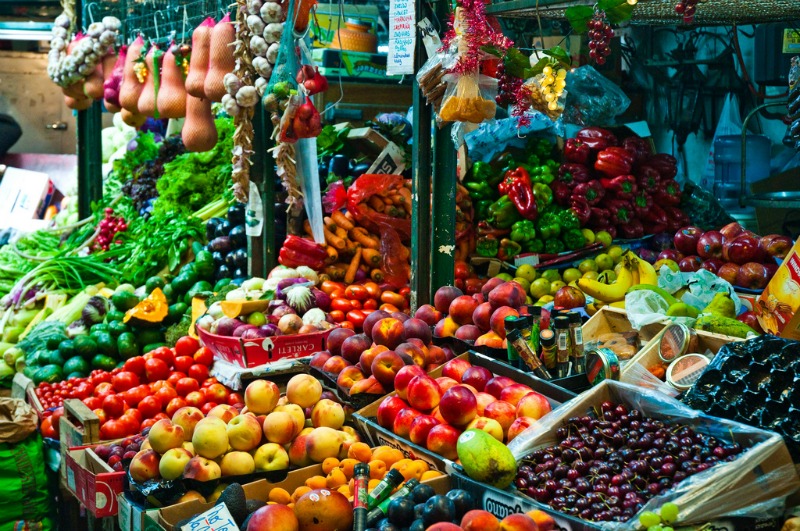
{"points": [[601, 364], [676, 341], [684, 371]]}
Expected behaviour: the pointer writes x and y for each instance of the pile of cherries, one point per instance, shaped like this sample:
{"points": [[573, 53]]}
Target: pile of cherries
{"points": [[605, 467], [108, 228]]}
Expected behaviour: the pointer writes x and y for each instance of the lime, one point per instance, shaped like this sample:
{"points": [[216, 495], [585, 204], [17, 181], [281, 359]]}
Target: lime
{"points": [[555, 286], [570, 275], [587, 265], [528, 272], [153, 283], [589, 235], [526, 285], [604, 261], [504, 276], [540, 287], [591, 275], [603, 237], [551, 275], [615, 252], [256, 319]]}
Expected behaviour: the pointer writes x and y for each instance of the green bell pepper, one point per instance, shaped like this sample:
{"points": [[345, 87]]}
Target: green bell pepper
{"points": [[574, 239], [568, 220], [482, 208], [548, 226], [508, 249], [554, 246], [543, 195], [503, 214], [523, 231], [480, 190], [483, 172], [534, 246], [487, 246]]}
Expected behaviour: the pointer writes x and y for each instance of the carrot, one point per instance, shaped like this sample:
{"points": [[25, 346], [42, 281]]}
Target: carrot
{"points": [[396, 212], [350, 275], [397, 199], [341, 220], [335, 271], [329, 224], [340, 232], [376, 275], [307, 228], [333, 239], [376, 203], [333, 254], [405, 193], [371, 257], [405, 252], [360, 235], [349, 217]]}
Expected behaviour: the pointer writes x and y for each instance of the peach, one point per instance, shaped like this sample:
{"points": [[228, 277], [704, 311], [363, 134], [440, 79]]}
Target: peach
{"points": [[518, 522], [370, 386], [445, 328], [510, 294], [388, 332], [404, 377], [327, 413], [443, 440], [187, 445], [297, 414], [501, 411], [360, 451], [274, 517], [349, 376], [385, 367], [187, 418], [467, 332], [446, 383], [279, 427], [477, 377], [489, 339], [519, 425], [458, 406], [144, 466], [237, 464], [165, 435], [191, 495], [497, 322], [261, 396], [324, 442], [484, 399], [270, 457], [417, 329], [423, 393], [224, 412], [443, 526], [420, 427], [496, 385], [490, 426], [428, 314], [412, 351], [371, 320], [336, 338], [437, 415], [514, 393], [444, 296], [437, 355], [542, 519], [298, 456], [244, 432], [403, 420], [481, 316], [303, 390], [335, 365], [388, 410], [202, 469], [456, 368], [368, 356], [400, 316], [210, 438], [319, 358], [173, 462], [479, 520], [323, 510], [461, 309], [353, 346], [533, 405]]}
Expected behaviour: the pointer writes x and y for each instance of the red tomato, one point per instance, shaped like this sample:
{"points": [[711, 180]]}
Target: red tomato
{"points": [[83, 390], [186, 346], [103, 390], [174, 377], [390, 297], [148, 423], [92, 402], [356, 304], [101, 415], [165, 354], [135, 414], [370, 304], [99, 377], [135, 365], [235, 398], [165, 394], [137, 394], [161, 415], [150, 406], [356, 292], [115, 370], [373, 289], [155, 386], [198, 372], [347, 324], [130, 424], [57, 414], [174, 405], [356, 317], [405, 291], [337, 316], [209, 382], [204, 356], [217, 393], [113, 405], [389, 308], [186, 386], [343, 305], [48, 429], [208, 406], [156, 369], [462, 270], [112, 429], [329, 286], [195, 399], [182, 363], [124, 380]]}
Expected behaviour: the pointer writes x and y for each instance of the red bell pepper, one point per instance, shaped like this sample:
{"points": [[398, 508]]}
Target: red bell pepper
{"points": [[638, 146], [614, 161], [599, 217], [521, 194], [581, 209], [297, 251], [561, 192], [632, 229], [596, 138], [665, 165], [642, 203], [669, 193], [676, 218], [647, 178], [649, 228], [511, 177], [572, 173], [621, 211], [485, 229], [621, 186], [655, 215], [591, 192], [576, 151], [612, 230]]}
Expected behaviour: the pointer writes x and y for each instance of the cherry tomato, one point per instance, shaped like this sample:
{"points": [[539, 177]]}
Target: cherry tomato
{"points": [[175, 377], [217, 393], [165, 354], [235, 398], [103, 390], [198, 372], [343, 305], [195, 399], [356, 292], [347, 324], [135, 365], [337, 316], [370, 304], [355, 304], [92, 402], [115, 370], [209, 382], [328, 286], [124, 380], [186, 386], [166, 393], [113, 405], [174, 405], [112, 429], [390, 297], [208, 406], [356, 317], [150, 406], [204, 356], [182, 363], [373, 289], [156, 369], [186, 346], [101, 415], [389, 308], [48, 429]]}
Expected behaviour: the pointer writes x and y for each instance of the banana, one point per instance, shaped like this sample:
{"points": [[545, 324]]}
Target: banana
{"points": [[618, 304], [608, 292], [647, 273], [634, 273]]}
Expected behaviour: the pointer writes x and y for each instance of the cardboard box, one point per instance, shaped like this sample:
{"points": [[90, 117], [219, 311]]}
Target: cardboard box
{"points": [[777, 306], [93, 482], [377, 435], [615, 320], [24, 195], [252, 352], [133, 517]]}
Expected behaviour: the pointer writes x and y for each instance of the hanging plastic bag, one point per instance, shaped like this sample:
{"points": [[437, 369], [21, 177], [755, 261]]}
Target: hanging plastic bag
{"points": [[469, 98], [544, 99], [730, 123], [308, 176], [592, 98]]}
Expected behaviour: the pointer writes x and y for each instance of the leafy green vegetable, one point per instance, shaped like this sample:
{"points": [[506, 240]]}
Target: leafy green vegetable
{"points": [[219, 296], [330, 141], [178, 330]]}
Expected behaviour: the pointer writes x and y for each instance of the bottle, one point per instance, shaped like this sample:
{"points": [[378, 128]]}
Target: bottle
{"points": [[380, 511], [527, 355], [510, 324], [561, 330], [535, 321], [576, 336], [361, 480], [548, 341], [382, 490]]}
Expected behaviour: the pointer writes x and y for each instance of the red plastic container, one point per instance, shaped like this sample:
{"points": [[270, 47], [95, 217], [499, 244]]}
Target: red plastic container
{"points": [[251, 353]]}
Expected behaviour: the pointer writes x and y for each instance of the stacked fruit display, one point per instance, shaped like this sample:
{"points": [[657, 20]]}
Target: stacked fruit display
{"points": [[732, 253], [434, 412], [270, 435]]}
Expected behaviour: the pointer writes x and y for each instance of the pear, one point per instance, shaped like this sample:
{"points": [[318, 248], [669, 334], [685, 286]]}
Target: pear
{"points": [[485, 459], [721, 305]]}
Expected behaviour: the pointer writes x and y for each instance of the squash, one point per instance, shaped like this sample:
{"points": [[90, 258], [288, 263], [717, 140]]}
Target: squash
{"points": [[221, 60], [171, 99], [199, 132], [130, 89], [93, 86], [77, 104], [198, 61], [133, 119], [147, 99], [150, 312]]}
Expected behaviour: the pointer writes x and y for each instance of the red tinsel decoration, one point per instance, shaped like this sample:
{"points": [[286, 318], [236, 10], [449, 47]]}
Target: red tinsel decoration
{"points": [[478, 32]]}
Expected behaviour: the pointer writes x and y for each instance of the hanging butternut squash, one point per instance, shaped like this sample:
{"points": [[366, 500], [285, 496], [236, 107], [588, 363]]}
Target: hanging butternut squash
{"points": [[220, 60], [93, 86], [198, 62], [147, 99], [171, 100], [133, 119], [199, 132], [131, 87], [77, 104]]}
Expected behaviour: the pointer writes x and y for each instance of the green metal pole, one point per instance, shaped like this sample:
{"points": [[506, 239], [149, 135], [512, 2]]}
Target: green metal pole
{"points": [[90, 162], [261, 249], [443, 245]]}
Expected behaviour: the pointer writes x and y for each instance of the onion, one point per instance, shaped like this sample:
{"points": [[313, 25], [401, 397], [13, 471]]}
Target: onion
{"points": [[285, 309], [226, 326], [322, 299], [242, 329], [254, 333], [290, 324], [308, 329], [205, 322], [270, 329]]}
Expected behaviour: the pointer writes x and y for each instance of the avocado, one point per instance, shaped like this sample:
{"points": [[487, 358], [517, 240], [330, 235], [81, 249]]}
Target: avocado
{"points": [[234, 499], [485, 459], [254, 505]]}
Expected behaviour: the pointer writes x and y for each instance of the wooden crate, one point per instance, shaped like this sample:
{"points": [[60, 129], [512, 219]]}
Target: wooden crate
{"points": [[22, 387], [615, 320], [79, 426]]}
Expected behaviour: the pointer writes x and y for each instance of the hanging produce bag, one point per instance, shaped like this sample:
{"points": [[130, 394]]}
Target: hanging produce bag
{"points": [[730, 123], [469, 98]]}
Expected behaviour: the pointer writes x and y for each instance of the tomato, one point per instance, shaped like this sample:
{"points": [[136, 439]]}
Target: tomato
{"points": [[390, 297], [209, 382], [150, 406], [135, 365], [217, 393], [83, 390], [370, 304], [115, 370], [373, 289], [405, 292], [182, 363], [130, 424], [155, 386], [175, 377], [156, 369], [347, 324], [343, 305], [195, 399], [48, 429], [337, 294], [124, 380], [135, 414], [355, 304], [337, 316], [462, 270], [165, 394], [174, 405], [161, 415], [137, 394], [356, 317], [103, 390], [356, 292], [186, 386], [235, 398], [389, 308], [148, 423], [99, 377], [198, 372], [113, 405], [113, 429], [92, 402], [165, 354], [204, 356], [208, 406], [101, 415], [186, 346], [328, 286], [57, 414]]}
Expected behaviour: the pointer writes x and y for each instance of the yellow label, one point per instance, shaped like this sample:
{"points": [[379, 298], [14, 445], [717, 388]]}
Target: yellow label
{"points": [[791, 41]]}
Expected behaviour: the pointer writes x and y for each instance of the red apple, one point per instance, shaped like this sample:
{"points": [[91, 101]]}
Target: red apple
{"points": [[710, 244], [477, 377], [423, 393], [728, 272], [776, 245], [670, 254], [444, 296], [752, 275], [458, 406], [456, 368], [388, 410], [690, 264], [403, 420], [772, 268], [731, 230], [385, 367], [713, 265], [750, 319], [685, 239], [741, 250], [496, 385], [481, 316], [569, 297], [443, 440], [420, 427], [404, 377]]}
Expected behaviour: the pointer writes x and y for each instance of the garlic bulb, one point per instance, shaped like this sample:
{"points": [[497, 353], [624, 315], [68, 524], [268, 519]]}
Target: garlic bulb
{"points": [[247, 96], [271, 12], [272, 33]]}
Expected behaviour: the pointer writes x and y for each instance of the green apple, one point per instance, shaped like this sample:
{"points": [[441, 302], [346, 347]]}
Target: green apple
{"points": [[587, 265], [528, 272], [604, 238], [590, 236]]}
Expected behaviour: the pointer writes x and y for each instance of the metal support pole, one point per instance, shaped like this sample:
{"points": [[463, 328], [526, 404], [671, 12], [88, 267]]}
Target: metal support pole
{"points": [[261, 250], [90, 161], [443, 246]]}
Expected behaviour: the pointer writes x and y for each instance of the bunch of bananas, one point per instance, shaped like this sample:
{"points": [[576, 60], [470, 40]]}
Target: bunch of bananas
{"points": [[633, 272]]}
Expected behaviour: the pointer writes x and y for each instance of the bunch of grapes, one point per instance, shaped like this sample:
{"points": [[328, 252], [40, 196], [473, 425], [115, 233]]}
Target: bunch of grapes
{"points": [[687, 8], [108, 227], [508, 87], [660, 522], [553, 85], [600, 34]]}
